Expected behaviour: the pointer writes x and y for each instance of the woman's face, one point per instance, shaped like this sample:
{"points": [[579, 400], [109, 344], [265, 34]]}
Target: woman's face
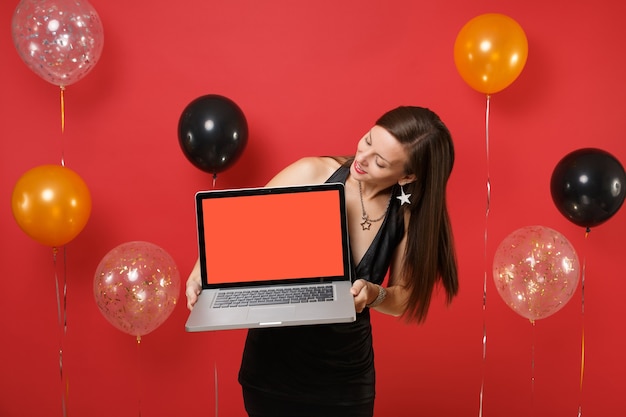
{"points": [[379, 158]]}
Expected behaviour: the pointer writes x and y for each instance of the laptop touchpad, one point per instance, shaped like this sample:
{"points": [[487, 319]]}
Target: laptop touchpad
{"points": [[270, 314]]}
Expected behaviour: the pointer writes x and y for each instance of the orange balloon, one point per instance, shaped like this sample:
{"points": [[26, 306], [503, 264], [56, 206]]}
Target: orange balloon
{"points": [[490, 52], [51, 204]]}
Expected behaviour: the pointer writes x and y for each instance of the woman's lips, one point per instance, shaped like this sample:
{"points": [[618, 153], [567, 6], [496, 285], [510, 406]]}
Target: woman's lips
{"points": [[358, 169]]}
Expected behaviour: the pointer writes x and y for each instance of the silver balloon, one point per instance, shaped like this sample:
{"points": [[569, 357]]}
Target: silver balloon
{"points": [[60, 40]]}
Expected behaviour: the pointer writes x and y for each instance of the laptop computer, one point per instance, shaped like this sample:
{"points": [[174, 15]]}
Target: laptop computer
{"points": [[276, 241]]}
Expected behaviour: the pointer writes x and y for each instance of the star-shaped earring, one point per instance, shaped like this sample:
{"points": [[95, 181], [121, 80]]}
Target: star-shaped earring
{"points": [[404, 198]]}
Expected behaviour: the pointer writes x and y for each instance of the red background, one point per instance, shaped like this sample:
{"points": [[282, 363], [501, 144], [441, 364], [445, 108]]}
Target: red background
{"points": [[311, 77]]}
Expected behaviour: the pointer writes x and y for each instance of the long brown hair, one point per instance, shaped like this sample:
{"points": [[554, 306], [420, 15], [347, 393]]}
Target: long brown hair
{"points": [[430, 256]]}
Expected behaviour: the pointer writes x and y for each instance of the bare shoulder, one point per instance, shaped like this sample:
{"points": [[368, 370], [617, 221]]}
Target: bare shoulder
{"points": [[307, 170]]}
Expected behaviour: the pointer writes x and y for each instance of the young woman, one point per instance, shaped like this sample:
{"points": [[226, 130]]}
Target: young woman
{"points": [[398, 224]]}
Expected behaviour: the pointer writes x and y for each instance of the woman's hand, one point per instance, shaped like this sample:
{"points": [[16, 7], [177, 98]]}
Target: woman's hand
{"points": [[364, 293], [393, 299], [194, 286]]}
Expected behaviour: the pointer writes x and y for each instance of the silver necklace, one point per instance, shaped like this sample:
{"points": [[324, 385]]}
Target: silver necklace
{"points": [[367, 222]]}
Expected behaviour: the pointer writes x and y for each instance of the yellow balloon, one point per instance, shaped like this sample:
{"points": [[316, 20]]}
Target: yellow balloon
{"points": [[51, 204], [490, 52]]}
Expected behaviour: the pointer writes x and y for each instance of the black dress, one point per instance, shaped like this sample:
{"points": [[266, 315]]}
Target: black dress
{"points": [[320, 369]]}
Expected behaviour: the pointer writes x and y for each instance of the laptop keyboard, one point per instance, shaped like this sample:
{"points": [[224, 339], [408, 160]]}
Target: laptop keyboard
{"points": [[270, 296]]}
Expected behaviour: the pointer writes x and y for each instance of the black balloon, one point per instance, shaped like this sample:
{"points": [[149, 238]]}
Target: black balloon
{"points": [[588, 186], [212, 132]]}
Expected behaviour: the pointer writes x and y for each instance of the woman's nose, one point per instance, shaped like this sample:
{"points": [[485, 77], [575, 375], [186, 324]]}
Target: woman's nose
{"points": [[363, 157]]}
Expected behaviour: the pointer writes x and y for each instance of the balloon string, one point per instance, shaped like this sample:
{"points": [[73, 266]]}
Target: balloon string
{"points": [[532, 368], [62, 318], [139, 381], [56, 283], [214, 179], [62, 124], [484, 339], [215, 378], [582, 333], [216, 390]]}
